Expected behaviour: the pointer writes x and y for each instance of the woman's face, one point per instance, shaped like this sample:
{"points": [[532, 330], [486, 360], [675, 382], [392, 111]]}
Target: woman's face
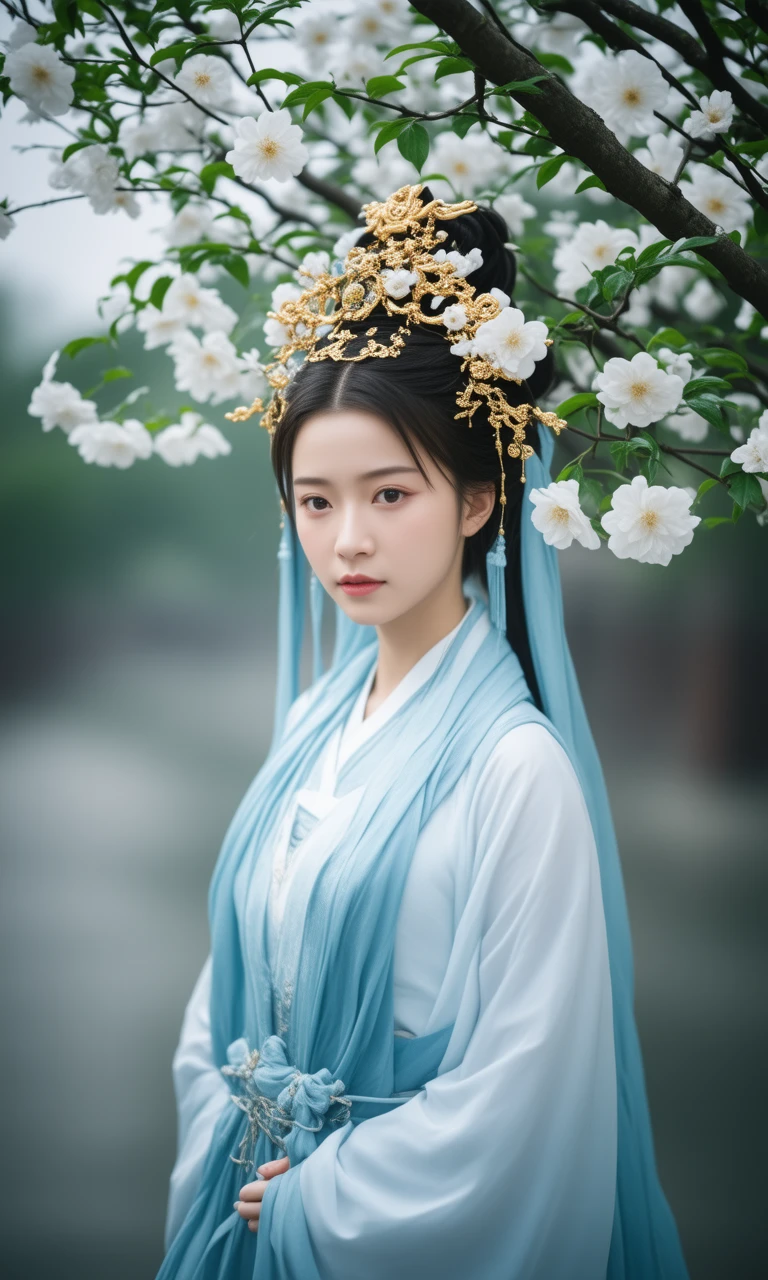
{"points": [[364, 510]]}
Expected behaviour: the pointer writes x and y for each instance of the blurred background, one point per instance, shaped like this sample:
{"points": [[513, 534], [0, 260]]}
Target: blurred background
{"points": [[138, 629]]}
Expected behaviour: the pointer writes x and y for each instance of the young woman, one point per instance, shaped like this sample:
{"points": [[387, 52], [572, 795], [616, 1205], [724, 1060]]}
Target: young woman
{"points": [[412, 1050]]}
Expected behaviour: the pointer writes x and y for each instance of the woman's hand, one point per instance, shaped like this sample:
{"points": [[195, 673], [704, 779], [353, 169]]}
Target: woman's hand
{"points": [[251, 1195]]}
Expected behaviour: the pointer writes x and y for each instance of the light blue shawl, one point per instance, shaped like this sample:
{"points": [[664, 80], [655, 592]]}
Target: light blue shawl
{"points": [[332, 977]]}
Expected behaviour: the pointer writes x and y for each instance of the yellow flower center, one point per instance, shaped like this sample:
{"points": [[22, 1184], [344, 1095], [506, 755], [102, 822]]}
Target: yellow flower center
{"points": [[714, 115], [202, 79], [560, 515], [638, 389], [41, 74], [460, 167], [649, 520], [210, 359], [601, 252], [371, 25], [715, 205], [192, 300], [320, 37], [269, 149], [512, 340], [631, 96]]}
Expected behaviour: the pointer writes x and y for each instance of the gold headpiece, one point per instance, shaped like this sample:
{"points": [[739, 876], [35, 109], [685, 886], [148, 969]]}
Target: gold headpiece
{"points": [[402, 270]]}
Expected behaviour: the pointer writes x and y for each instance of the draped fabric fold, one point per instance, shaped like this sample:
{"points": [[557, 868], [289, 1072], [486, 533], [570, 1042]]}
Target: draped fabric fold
{"points": [[330, 978]]}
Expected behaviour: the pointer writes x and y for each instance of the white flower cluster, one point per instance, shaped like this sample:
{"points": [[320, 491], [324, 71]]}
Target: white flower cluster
{"points": [[752, 456], [649, 523], [95, 173], [119, 444], [509, 342], [637, 392]]}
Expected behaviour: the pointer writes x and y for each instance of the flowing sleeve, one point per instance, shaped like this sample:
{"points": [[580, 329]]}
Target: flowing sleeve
{"points": [[505, 1165], [201, 1093]]}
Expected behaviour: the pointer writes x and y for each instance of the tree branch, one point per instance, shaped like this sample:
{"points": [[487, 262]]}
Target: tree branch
{"points": [[580, 132]]}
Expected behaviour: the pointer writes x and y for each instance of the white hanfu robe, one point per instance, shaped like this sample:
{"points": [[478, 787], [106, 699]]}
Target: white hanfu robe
{"points": [[527, 1116]]}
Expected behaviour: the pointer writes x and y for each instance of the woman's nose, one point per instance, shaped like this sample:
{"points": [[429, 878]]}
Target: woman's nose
{"points": [[354, 536]]}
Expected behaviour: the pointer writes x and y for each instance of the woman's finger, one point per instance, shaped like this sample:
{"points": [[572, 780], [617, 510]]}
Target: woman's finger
{"points": [[248, 1209], [253, 1190]]}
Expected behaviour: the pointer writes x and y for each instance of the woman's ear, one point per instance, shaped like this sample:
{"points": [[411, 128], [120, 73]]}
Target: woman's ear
{"points": [[477, 507]]}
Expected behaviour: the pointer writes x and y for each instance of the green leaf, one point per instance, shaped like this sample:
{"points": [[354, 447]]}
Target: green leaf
{"points": [[591, 181], [303, 92], [539, 146], [391, 129], [573, 317], [132, 277], [436, 46], [315, 99], [380, 86], [710, 409], [574, 403], [722, 358], [77, 345], [550, 168], [519, 86], [237, 267], [271, 73], [452, 67], [620, 452], [92, 8], [159, 290], [71, 149], [462, 123], [666, 337], [591, 490], [210, 172], [695, 242], [709, 522], [745, 490], [413, 144], [704, 487], [616, 282], [761, 221], [699, 386], [176, 51], [573, 471], [119, 371]]}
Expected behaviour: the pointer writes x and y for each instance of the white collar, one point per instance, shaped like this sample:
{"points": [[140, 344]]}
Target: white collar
{"points": [[357, 730]]}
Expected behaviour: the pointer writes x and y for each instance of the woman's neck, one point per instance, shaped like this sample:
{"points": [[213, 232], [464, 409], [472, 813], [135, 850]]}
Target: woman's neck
{"points": [[407, 638]]}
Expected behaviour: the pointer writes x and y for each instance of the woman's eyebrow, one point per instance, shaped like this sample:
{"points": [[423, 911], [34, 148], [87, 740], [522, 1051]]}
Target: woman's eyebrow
{"points": [[367, 475]]}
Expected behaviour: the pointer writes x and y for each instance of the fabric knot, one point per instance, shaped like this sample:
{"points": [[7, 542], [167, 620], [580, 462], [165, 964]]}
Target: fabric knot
{"points": [[288, 1105]]}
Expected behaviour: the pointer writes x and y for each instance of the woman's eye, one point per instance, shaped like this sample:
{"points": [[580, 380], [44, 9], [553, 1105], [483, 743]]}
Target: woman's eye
{"points": [[314, 498], [389, 501]]}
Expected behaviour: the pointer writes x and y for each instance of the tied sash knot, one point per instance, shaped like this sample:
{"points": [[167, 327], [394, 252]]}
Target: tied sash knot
{"points": [[288, 1105]]}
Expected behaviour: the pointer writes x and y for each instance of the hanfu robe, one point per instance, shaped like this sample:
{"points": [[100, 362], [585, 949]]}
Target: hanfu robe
{"points": [[501, 934]]}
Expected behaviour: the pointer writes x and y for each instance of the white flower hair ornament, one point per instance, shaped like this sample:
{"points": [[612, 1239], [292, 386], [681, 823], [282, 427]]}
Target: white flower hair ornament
{"points": [[406, 273]]}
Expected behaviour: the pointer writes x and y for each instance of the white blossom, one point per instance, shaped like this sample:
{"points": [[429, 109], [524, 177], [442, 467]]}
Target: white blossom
{"points": [[663, 154], [398, 283], [593, 245], [714, 194], [209, 369], [679, 362], [269, 147], [187, 302], [59, 404], [515, 211], [252, 378], [468, 163], [628, 91], [688, 425], [377, 22], [192, 223], [637, 392], [454, 317], [703, 302], [284, 293], [649, 523], [753, 455], [509, 342], [206, 79], [158, 328], [745, 314], [21, 33], [40, 78], [7, 224], [463, 263], [185, 441], [112, 444], [312, 267], [276, 334], [559, 518], [715, 115], [346, 241], [355, 64], [316, 35]]}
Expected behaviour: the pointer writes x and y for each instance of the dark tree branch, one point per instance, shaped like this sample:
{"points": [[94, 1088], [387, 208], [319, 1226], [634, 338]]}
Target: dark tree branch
{"points": [[579, 132], [330, 192]]}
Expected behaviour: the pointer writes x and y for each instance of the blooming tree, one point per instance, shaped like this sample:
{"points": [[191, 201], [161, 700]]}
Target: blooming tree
{"points": [[625, 144]]}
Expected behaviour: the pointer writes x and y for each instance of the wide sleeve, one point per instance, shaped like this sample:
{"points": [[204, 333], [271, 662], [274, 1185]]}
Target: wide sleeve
{"points": [[201, 1094], [504, 1167]]}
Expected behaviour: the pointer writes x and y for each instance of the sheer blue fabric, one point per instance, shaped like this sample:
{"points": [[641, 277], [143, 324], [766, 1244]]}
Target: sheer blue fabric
{"points": [[332, 977]]}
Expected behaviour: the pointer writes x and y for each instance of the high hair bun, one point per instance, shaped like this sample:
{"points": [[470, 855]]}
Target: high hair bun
{"points": [[486, 230]]}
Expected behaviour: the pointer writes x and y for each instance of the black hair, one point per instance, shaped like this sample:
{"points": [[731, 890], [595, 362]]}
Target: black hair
{"points": [[415, 393]]}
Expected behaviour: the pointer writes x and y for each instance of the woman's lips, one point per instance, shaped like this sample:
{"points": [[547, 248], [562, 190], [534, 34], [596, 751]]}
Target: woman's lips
{"points": [[360, 588]]}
